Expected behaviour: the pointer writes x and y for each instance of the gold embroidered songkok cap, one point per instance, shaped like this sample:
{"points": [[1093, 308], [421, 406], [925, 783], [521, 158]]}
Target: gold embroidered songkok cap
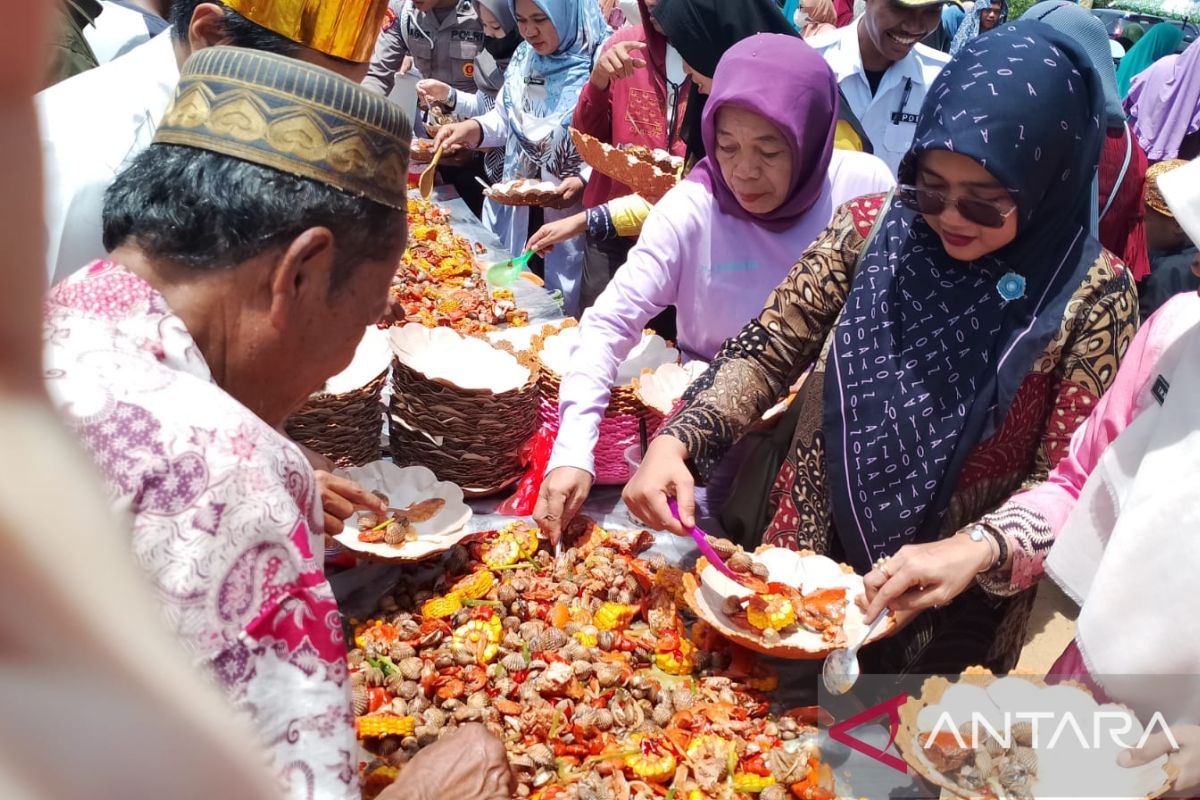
{"points": [[345, 29], [1154, 197], [294, 117]]}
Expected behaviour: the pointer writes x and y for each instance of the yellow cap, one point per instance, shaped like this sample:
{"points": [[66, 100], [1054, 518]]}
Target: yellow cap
{"points": [[345, 29]]}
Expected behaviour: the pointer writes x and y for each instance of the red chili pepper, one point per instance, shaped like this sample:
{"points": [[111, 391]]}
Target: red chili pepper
{"points": [[520, 675], [377, 698], [756, 765], [602, 700]]}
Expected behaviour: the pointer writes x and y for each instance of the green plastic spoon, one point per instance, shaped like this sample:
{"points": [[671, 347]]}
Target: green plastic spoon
{"points": [[504, 273]]}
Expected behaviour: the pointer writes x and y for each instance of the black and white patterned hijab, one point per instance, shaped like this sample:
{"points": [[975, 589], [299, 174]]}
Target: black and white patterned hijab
{"points": [[928, 356]]}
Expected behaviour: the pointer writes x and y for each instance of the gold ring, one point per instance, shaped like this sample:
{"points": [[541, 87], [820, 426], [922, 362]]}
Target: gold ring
{"points": [[881, 565]]}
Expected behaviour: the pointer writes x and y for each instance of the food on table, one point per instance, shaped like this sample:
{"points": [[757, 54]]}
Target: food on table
{"points": [[422, 150], [523, 192], [656, 158], [583, 665], [650, 173], [776, 610], [439, 281]]}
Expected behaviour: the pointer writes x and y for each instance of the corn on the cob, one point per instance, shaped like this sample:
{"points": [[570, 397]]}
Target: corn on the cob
{"points": [[613, 616], [373, 727], [678, 661], [749, 782], [442, 607], [770, 611], [502, 553], [481, 637], [475, 586], [654, 761]]}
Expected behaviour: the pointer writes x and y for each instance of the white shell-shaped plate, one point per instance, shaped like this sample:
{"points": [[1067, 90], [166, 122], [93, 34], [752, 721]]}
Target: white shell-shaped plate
{"points": [[648, 354], [403, 486], [1059, 766], [663, 387], [370, 359], [520, 338], [810, 573], [442, 355]]}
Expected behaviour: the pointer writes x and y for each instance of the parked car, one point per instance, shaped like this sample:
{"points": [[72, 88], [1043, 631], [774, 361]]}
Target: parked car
{"points": [[1115, 20]]}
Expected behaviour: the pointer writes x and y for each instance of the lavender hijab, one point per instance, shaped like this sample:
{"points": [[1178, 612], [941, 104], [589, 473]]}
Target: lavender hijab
{"points": [[1164, 103], [800, 99]]}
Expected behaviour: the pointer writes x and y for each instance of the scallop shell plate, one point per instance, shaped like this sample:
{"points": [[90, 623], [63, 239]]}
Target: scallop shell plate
{"points": [[979, 692], [371, 359], [649, 354], [804, 569], [465, 363], [663, 387], [403, 486]]}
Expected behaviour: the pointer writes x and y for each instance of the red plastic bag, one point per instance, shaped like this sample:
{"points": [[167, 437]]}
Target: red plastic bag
{"points": [[536, 454]]}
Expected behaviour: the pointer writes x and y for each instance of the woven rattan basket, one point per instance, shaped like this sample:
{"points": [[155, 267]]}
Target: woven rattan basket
{"points": [[626, 415], [343, 422], [472, 436]]}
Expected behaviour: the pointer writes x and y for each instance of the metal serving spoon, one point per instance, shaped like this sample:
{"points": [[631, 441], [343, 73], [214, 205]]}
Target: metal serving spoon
{"points": [[841, 669]]}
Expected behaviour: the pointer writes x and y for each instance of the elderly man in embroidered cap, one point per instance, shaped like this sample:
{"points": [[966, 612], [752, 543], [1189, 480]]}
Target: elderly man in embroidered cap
{"points": [[250, 245], [95, 123]]}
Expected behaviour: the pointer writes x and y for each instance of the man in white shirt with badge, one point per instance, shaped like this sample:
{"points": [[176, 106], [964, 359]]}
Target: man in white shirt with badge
{"points": [[884, 71]]}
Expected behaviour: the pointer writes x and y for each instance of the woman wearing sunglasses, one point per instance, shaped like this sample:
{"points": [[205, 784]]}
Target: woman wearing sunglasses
{"points": [[954, 349]]}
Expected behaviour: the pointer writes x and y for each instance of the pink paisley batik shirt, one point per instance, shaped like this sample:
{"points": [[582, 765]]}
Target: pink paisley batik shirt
{"points": [[226, 518]]}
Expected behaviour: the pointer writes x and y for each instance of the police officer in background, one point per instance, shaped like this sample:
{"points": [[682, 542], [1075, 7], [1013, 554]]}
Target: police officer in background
{"points": [[436, 39]]}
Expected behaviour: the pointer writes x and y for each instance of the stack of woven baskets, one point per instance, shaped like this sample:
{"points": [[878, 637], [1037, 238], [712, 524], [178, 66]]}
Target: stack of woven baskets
{"points": [[627, 414], [460, 407], [343, 421]]}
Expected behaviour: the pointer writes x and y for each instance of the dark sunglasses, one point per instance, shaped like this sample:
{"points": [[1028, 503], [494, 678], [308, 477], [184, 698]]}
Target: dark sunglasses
{"points": [[987, 213]]}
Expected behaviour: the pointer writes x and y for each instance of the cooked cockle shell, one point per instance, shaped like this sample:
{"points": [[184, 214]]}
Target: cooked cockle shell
{"points": [[417, 704], [519, 584], [582, 669], [731, 605], [549, 640], [506, 594], [759, 570], [461, 617], [584, 717], [374, 676], [605, 640], [398, 532], [787, 767], [358, 678], [393, 682], [771, 636], [368, 520], [1018, 768], [355, 658], [462, 656], [608, 675], [530, 629], [1022, 733], [682, 697], [432, 639], [774, 792], [359, 700], [662, 715], [740, 562], [478, 700], [467, 714], [603, 719], [409, 743], [410, 667], [400, 651], [511, 623], [656, 561], [512, 641], [409, 690], [434, 717], [528, 692], [513, 662], [542, 756]]}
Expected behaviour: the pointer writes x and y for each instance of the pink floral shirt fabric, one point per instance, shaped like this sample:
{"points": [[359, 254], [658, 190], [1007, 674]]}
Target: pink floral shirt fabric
{"points": [[226, 518]]}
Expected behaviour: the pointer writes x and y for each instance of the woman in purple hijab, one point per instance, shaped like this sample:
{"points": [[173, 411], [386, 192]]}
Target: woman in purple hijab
{"points": [[1164, 106], [719, 242]]}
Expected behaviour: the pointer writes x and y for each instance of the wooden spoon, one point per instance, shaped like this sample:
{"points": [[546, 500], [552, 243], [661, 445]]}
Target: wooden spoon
{"points": [[425, 183]]}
